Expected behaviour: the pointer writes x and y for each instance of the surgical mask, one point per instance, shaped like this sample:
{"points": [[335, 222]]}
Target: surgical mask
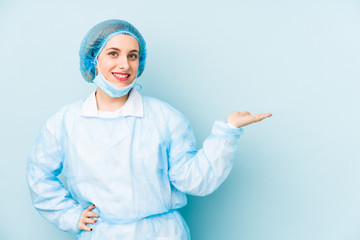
{"points": [[110, 89]]}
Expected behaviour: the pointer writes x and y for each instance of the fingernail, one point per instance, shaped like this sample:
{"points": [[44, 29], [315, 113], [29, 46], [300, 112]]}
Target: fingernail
{"points": [[90, 229], [94, 205], [95, 221]]}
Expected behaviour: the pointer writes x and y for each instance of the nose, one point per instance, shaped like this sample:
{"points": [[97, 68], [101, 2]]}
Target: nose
{"points": [[123, 63]]}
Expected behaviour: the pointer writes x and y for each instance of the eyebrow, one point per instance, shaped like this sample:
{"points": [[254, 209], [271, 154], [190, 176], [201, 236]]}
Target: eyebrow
{"points": [[116, 49]]}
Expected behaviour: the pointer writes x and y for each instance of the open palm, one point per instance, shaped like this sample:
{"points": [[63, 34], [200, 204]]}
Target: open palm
{"points": [[241, 119]]}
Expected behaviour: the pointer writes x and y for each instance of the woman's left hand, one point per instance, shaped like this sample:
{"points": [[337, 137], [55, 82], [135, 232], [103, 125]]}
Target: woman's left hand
{"points": [[241, 119]]}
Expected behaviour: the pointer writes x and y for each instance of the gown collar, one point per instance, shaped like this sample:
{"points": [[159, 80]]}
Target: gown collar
{"points": [[132, 107]]}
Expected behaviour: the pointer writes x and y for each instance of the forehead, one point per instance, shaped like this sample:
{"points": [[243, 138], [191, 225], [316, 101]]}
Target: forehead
{"points": [[123, 41]]}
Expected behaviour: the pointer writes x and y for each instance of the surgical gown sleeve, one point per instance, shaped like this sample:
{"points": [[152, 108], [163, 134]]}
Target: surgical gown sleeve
{"points": [[201, 172], [48, 195]]}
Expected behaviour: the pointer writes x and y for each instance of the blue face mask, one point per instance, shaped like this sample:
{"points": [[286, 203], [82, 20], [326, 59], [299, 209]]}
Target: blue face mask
{"points": [[110, 89]]}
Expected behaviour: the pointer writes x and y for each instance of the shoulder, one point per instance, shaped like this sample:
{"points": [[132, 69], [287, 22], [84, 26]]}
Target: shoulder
{"points": [[67, 112], [163, 110], [160, 106], [153, 102]]}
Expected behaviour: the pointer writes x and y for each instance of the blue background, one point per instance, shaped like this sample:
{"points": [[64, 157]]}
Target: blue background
{"points": [[296, 174]]}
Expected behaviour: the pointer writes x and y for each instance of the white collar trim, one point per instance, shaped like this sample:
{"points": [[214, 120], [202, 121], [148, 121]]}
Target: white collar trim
{"points": [[132, 107]]}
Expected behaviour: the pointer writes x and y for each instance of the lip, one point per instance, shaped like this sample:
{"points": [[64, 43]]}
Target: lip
{"points": [[120, 78]]}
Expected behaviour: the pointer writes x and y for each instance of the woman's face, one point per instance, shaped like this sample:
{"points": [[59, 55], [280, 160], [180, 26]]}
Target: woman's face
{"points": [[119, 60]]}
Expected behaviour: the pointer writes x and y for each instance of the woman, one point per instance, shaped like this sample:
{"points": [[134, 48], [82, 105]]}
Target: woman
{"points": [[128, 159]]}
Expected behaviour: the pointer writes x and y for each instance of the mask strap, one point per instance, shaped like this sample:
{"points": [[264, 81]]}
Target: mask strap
{"points": [[139, 87]]}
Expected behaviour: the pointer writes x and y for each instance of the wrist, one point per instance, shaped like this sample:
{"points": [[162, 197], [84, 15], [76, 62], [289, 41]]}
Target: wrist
{"points": [[231, 125]]}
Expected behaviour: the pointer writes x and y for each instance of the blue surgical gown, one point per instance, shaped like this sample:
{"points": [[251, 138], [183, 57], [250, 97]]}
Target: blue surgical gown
{"points": [[136, 169]]}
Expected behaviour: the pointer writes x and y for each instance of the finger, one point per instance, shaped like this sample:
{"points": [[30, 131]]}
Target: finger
{"points": [[89, 220], [91, 214], [91, 207], [82, 226], [260, 116]]}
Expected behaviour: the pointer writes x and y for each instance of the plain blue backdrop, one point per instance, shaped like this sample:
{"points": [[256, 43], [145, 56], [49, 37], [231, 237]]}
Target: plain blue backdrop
{"points": [[297, 173]]}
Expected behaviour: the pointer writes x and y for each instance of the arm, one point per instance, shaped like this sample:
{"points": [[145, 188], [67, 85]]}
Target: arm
{"points": [[201, 172], [48, 195]]}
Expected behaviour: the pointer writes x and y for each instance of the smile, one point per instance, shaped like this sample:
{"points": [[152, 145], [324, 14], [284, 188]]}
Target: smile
{"points": [[121, 76]]}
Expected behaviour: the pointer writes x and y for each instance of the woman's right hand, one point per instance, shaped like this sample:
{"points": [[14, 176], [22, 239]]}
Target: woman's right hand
{"points": [[86, 218]]}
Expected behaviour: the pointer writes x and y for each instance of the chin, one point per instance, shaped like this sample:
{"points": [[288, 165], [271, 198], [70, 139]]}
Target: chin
{"points": [[122, 84]]}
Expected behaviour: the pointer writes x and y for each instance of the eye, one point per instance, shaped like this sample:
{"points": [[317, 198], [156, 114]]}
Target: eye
{"points": [[114, 54], [133, 56]]}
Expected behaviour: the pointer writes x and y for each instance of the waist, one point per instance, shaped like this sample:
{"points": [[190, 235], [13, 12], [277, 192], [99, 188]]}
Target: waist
{"points": [[168, 225], [115, 220]]}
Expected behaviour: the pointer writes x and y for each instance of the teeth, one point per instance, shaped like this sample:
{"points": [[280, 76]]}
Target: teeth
{"points": [[121, 75]]}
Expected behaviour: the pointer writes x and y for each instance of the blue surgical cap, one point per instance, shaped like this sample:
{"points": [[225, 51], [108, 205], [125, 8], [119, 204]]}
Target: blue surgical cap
{"points": [[96, 39]]}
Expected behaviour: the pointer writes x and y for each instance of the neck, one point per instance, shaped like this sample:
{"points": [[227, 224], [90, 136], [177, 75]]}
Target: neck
{"points": [[109, 104]]}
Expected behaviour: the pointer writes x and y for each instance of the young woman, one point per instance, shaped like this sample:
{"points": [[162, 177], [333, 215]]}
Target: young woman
{"points": [[128, 160]]}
